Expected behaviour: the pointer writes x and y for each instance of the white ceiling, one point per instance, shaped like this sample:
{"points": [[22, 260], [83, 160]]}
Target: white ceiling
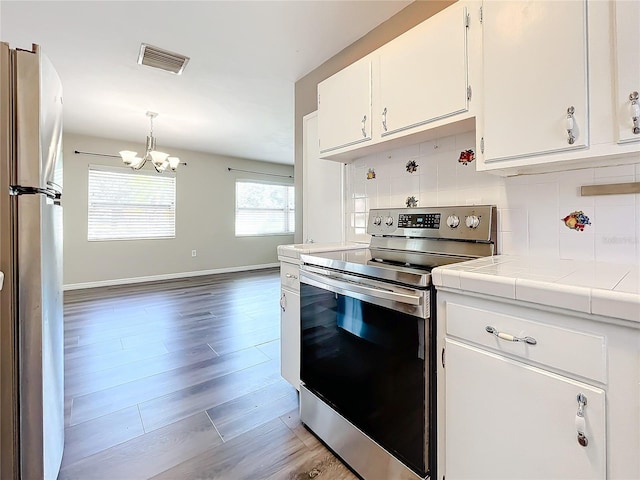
{"points": [[236, 95]]}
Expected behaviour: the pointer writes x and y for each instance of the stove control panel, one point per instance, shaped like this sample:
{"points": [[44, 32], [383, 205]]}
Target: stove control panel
{"points": [[419, 220], [467, 222]]}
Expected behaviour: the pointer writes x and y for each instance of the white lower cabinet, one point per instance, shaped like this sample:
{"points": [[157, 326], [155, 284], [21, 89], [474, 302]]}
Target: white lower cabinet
{"points": [[290, 324], [529, 392], [508, 420]]}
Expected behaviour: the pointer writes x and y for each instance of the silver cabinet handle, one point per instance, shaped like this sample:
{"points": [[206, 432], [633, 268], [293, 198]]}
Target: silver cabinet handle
{"points": [[283, 302], [364, 123], [288, 275], [384, 119], [571, 124], [510, 338], [580, 420], [635, 112]]}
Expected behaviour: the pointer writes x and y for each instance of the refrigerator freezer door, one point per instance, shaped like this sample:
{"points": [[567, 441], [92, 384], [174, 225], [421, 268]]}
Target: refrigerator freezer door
{"points": [[38, 121]]}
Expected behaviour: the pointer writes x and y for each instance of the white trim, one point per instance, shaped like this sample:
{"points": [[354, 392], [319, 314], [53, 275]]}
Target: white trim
{"points": [[168, 276]]}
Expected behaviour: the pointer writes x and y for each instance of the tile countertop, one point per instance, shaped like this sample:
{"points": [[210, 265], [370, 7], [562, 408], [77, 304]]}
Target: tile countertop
{"points": [[294, 251], [610, 290]]}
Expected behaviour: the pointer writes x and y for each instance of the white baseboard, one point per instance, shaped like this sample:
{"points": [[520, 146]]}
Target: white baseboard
{"points": [[168, 276]]}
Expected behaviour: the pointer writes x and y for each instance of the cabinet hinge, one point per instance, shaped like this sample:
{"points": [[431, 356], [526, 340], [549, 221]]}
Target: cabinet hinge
{"points": [[467, 20], [482, 145], [480, 14], [442, 357], [469, 93]]}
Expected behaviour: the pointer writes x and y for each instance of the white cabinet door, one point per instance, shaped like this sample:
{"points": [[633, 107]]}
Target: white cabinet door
{"points": [[290, 337], [627, 29], [506, 420], [534, 70], [344, 107], [322, 195], [423, 73]]}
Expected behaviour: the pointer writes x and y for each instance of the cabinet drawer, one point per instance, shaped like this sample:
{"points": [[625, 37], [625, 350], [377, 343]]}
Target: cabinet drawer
{"points": [[290, 276], [574, 352]]}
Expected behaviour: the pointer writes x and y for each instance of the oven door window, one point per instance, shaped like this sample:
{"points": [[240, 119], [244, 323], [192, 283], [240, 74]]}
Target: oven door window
{"points": [[368, 363]]}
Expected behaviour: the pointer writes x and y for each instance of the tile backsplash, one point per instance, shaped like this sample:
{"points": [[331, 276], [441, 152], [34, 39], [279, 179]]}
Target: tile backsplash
{"points": [[530, 207]]}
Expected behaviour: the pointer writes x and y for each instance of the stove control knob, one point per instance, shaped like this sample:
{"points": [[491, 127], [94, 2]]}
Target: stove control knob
{"points": [[453, 221], [472, 221], [377, 220], [389, 221]]}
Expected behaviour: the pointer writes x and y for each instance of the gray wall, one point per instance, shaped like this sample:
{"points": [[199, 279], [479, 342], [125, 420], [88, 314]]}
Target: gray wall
{"points": [[306, 88], [205, 219]]}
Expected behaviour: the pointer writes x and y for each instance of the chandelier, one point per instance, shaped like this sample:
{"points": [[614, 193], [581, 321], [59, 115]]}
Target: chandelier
{"points": [[160, 160]]}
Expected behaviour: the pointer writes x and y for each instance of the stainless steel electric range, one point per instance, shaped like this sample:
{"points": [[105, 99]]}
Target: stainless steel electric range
{"points": [[367, 336]]}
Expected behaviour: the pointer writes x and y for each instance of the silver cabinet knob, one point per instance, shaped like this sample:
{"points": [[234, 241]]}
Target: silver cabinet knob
{"points": [[635, 112], [571, 125], [581, 424]]}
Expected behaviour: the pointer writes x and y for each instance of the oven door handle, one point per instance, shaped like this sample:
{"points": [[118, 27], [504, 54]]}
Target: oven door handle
{"points": [[346, 287]]}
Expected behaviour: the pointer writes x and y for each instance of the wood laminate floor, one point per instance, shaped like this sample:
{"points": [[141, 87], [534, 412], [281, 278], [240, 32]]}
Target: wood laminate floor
{"points": [[181, 380]]}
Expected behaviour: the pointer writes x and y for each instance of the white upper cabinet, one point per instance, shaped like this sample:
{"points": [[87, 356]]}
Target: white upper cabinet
{"points": [[535, 78], [344, 107], [407, 91], [627, 36], [539, 59], [423, 73]]}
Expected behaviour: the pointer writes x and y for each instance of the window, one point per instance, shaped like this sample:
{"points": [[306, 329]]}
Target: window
{"points": [[127, 205], [264, 208]]}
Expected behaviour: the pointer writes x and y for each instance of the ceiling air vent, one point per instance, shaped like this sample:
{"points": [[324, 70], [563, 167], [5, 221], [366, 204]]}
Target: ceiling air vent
{"points": [[163, 59]]}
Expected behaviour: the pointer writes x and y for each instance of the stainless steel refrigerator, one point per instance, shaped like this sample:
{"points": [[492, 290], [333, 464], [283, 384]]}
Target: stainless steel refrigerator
{"points": [[31, 316]]}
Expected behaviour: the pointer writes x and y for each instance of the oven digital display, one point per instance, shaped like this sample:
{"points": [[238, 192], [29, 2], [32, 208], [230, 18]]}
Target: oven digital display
{"points": [[419, 220]]}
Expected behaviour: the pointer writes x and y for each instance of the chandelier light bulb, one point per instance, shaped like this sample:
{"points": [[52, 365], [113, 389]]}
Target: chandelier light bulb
{"points": [[173, 162], [128, 156], [158, 158]]}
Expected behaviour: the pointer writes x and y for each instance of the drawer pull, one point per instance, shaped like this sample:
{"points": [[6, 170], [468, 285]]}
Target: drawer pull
{"points": [[510, 338], [288, 275]]}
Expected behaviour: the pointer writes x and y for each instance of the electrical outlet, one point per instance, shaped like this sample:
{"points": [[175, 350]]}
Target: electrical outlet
{"points": [[193, 253]]}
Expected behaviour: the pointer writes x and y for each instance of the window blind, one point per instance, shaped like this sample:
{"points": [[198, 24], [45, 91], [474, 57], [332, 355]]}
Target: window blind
{"points": [[264, 208], [127, 205]]}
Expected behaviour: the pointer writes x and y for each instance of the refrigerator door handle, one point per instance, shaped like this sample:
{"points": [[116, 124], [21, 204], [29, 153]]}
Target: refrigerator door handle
{"points": [[20, 190]]}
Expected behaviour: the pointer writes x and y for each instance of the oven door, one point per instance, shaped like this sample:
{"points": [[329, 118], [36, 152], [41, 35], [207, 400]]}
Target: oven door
{"points": [[365, 353]]}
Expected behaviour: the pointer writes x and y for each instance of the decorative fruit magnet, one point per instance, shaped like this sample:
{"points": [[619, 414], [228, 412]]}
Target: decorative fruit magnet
{"points": [[576, 220], [371, 174]]}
